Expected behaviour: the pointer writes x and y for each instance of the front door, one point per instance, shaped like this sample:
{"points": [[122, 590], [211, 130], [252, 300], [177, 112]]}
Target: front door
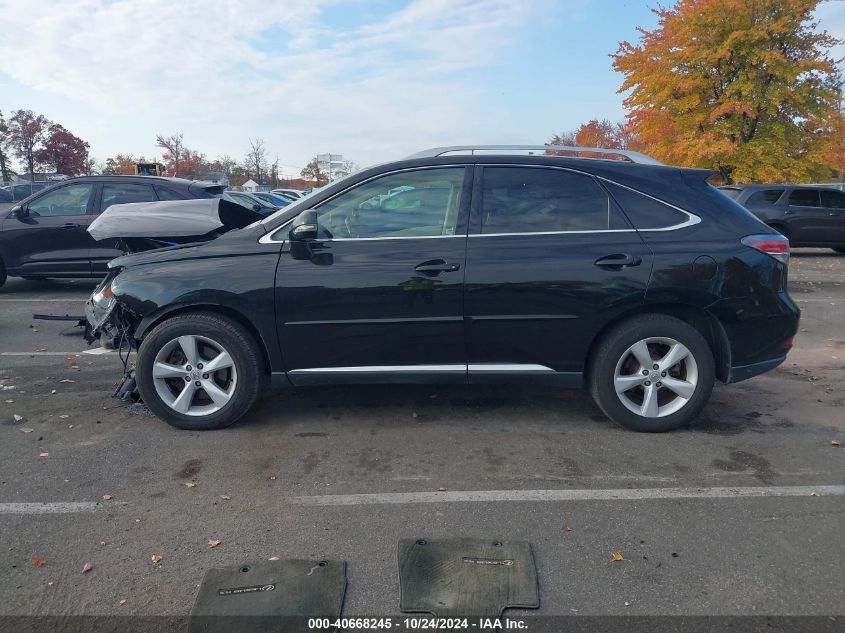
{"points": [[51, 239], [378, 297], [834, 204], [550, 257]]}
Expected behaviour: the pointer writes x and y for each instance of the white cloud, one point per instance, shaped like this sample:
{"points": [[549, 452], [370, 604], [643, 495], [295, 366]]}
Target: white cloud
{"points": [[378, 90]]}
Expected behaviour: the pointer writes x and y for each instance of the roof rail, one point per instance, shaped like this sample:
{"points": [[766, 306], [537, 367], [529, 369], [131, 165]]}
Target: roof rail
{"points": [[634, 157]]}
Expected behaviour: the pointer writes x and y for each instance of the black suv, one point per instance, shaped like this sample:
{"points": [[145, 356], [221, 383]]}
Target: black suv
{"points": [[808, 216], [636, 280], [45, 235]]}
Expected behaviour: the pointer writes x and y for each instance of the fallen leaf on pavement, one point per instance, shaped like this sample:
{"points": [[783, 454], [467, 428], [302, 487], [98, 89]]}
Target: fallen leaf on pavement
{"points": [[37, 561], [64, 416], [191, 484], [67, 380], [26, 429], [567, 528], [107, 497], [87, 567], [272, 477], [274, 558], [155, 558], [837, 443], [617, 556], [122, 602], [17, 417], [225, 498], [441, 489], [212, 543], [44, 455], [54, 391], [71, 362]]}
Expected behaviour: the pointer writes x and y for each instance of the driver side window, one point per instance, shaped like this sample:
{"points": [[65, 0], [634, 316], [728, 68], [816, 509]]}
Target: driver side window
{"points": [[69, 200], [423, 203]]}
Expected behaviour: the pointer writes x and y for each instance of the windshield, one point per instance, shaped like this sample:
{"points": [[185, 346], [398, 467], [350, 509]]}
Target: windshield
{"points": [[302, 203]]}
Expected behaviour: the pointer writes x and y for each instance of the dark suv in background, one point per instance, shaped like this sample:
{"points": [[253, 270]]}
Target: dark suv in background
{"points": [[636, 280], [45, 235], [808, 216]]}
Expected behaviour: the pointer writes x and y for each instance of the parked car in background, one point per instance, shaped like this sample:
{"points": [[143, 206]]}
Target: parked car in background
{"points": [[277, 201], [636, 280], [6, 194], [45, 235], [807, 215], [294, 194], [250, 201]]}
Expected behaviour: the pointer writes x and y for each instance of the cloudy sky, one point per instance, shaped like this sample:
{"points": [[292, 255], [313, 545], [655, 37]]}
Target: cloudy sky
{"points": [[374, 80]]}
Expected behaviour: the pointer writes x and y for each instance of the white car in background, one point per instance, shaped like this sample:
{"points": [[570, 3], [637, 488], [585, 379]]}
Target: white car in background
{"points": [[293, 194]]}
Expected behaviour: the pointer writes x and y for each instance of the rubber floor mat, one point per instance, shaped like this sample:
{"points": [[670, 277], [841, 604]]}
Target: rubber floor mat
{"points": [[277, 596], [466, 577]]}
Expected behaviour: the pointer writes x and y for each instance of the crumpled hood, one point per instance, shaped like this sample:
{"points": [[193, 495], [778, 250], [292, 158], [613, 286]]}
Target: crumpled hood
{"points": [[171, 219]]}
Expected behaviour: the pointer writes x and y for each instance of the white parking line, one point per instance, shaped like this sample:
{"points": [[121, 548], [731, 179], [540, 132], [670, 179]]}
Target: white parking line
{"points": [[57, 507], [624, 494], [97, 351]]}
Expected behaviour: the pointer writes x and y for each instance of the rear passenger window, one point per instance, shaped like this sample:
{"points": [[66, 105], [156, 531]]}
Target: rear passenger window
{"points": [[769, 196], [645, 212], [804, 198], [536, 200], [121, 193]]}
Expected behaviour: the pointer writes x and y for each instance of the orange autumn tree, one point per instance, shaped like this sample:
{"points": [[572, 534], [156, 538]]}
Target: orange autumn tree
{"points": [[747, 87]]}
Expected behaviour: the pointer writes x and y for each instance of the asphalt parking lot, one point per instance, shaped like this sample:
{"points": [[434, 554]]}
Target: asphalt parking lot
{"points": [[86, 479]]}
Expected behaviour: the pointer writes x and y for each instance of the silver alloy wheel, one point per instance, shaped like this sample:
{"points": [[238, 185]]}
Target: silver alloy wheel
{"points": [[194, 375], [656, 377]]}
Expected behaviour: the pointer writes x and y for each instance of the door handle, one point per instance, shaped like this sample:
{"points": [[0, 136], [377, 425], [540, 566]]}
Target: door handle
{"points": [[618, 261], [434, 267], [70, 225]]}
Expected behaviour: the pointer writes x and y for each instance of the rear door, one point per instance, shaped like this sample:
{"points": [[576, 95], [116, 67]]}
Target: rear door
{"points": [[806, 220], [550, 259], [51, 239], [103, 251]]}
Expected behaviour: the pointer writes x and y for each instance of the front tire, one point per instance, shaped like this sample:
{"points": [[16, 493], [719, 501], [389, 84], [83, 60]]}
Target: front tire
{"points": [[199, 371], [652, 373]]}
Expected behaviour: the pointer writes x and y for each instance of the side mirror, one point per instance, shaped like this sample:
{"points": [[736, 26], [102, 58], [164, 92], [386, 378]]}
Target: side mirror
{"points": [[256, 208], [21, 212], [304, 227]]}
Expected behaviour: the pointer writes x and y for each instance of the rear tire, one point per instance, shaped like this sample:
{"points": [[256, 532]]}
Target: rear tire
{"points": [[679, 377], [3, 276], [199, 371]]}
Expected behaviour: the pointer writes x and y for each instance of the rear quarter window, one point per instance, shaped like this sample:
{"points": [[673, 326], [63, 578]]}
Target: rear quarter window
{"points": [[645, 212]]}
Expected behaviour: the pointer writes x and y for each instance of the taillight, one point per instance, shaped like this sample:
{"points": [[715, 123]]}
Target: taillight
{"points": [[775, 245]]}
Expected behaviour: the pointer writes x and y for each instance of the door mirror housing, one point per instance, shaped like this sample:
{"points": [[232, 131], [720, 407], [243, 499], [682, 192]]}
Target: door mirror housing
{"points": [[304, 227], [256, 208], [21, 212]]}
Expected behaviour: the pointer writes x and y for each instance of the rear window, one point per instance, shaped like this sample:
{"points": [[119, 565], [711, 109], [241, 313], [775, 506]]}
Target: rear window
{"points": [[769, 196], [805, 198], [645, 212], [164, 193]]}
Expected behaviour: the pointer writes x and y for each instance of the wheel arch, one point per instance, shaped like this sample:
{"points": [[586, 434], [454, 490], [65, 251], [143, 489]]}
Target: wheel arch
{"points": [[706, 324], [147, 323]]}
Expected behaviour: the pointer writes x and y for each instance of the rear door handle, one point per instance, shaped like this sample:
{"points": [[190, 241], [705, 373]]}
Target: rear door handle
{"points": [[618, 261], [70, 225], [434, 267]]}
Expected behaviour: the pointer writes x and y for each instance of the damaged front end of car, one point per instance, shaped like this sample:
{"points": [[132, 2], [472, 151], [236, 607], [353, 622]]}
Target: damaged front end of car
{"points": [[148, 230]]}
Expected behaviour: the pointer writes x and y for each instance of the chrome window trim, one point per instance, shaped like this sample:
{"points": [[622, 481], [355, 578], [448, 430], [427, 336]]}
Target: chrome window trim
{"points": [[411, 369], [554, 232]]}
